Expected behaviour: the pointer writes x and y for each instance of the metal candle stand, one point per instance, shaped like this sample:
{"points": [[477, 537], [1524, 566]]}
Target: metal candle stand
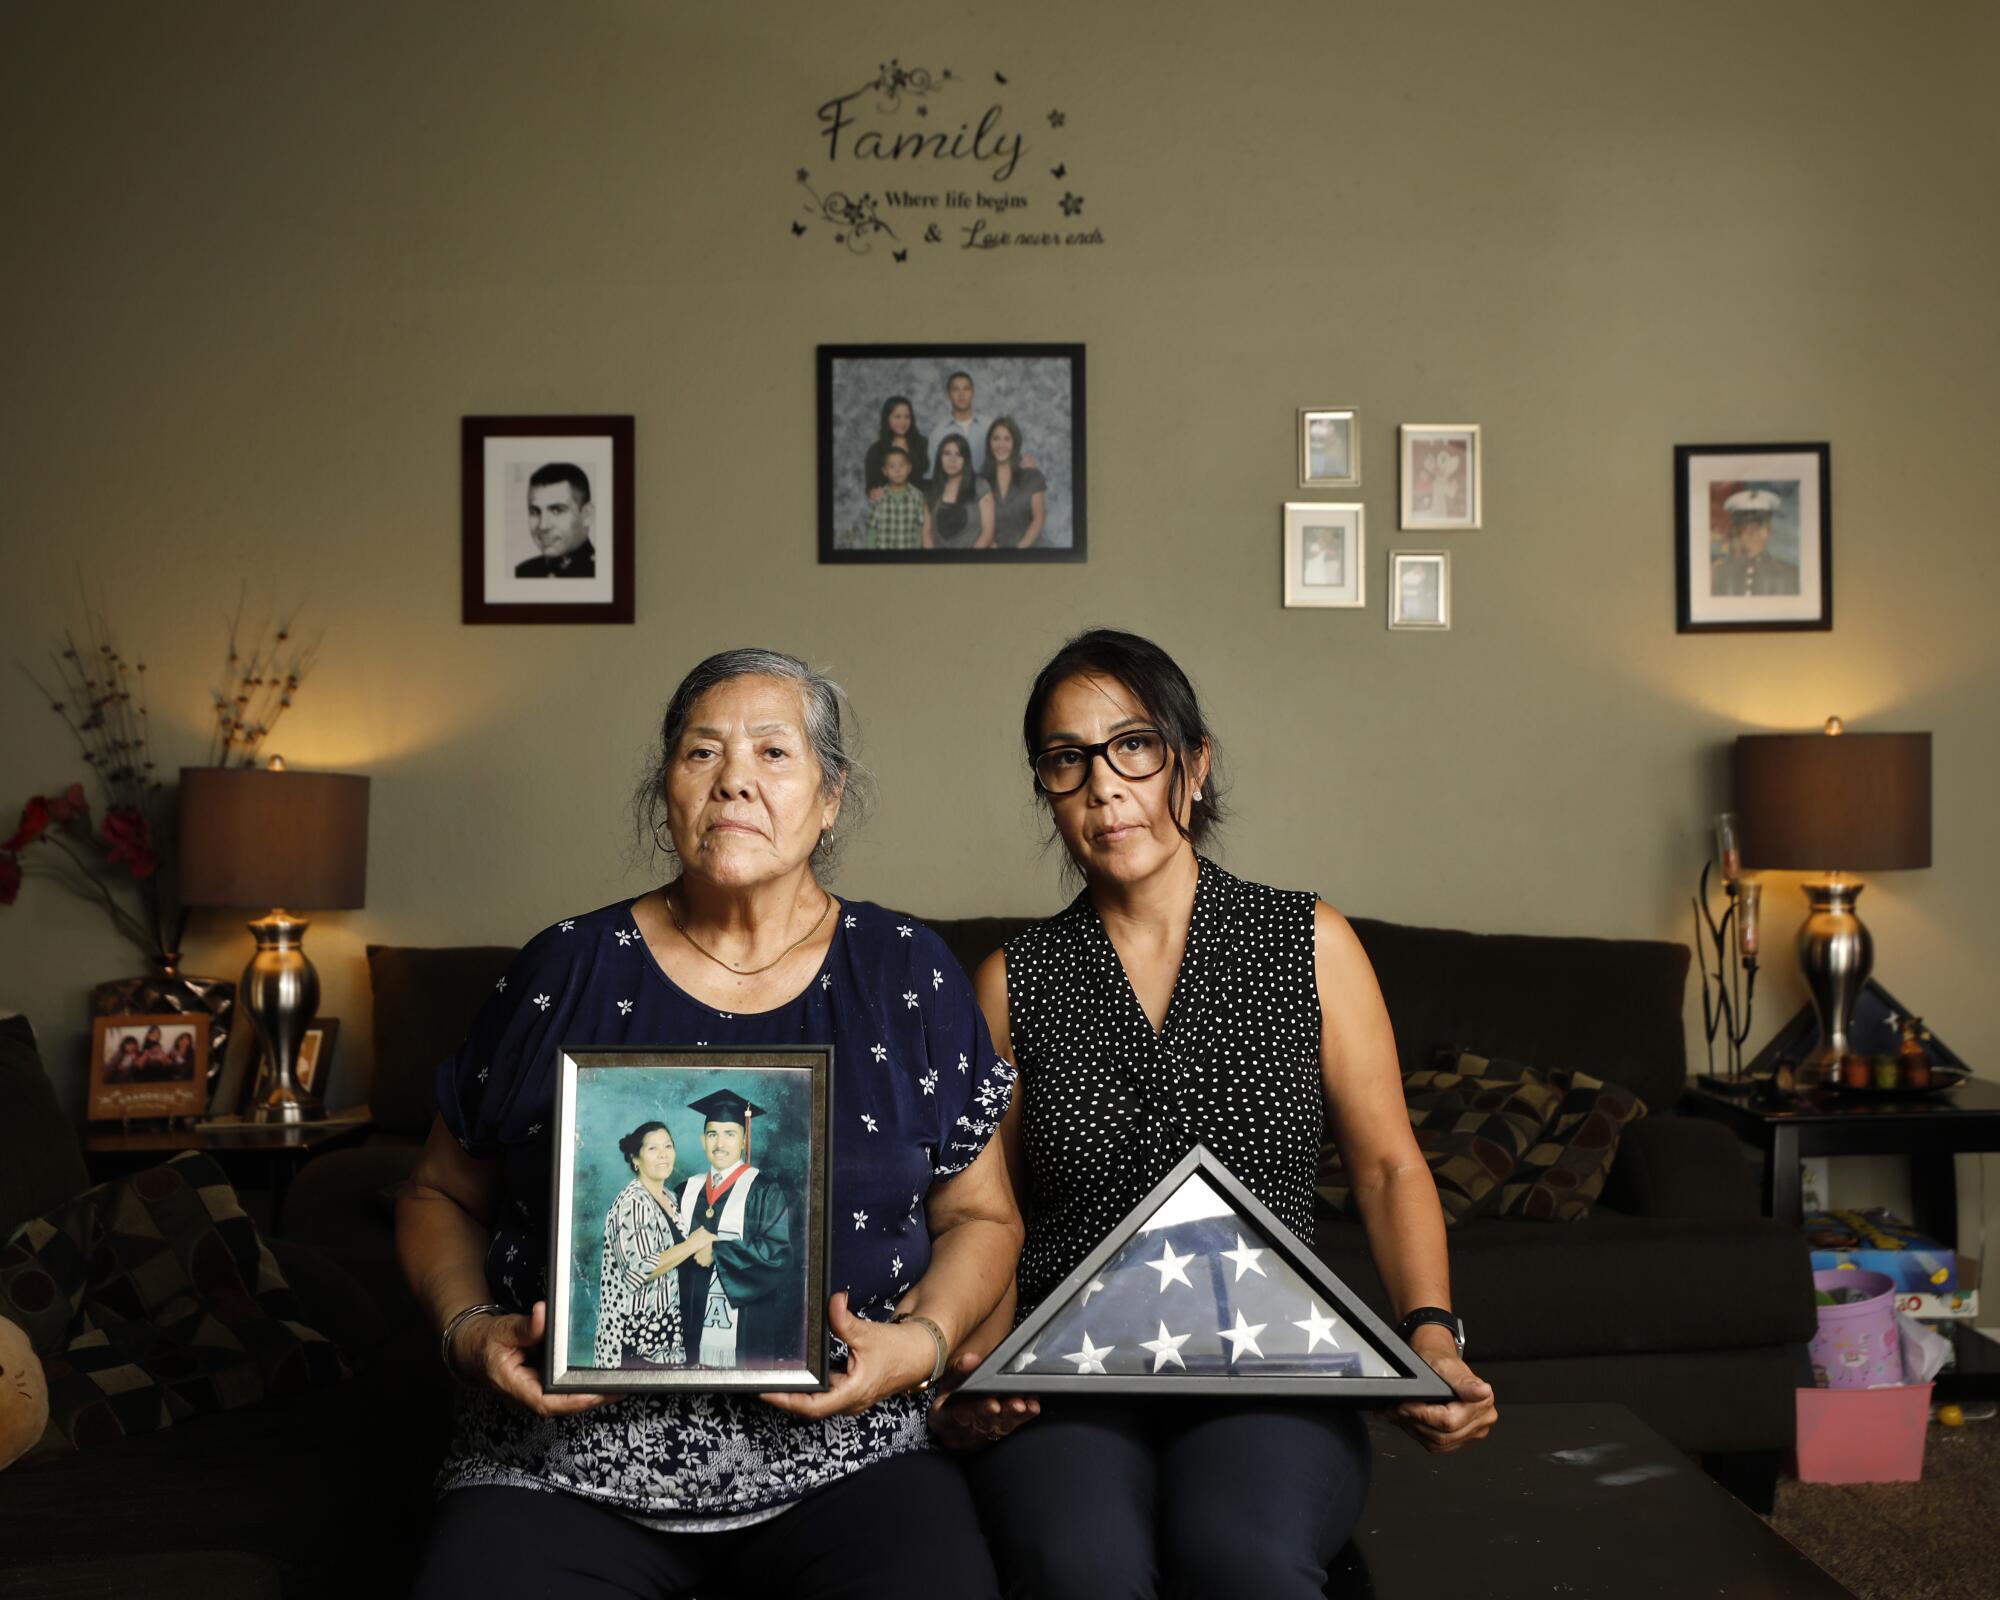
{"points": [[1727, 1007]]}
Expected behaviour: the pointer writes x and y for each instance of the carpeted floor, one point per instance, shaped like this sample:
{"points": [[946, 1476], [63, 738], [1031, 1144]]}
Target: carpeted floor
{"points": [[1934, 1540]]}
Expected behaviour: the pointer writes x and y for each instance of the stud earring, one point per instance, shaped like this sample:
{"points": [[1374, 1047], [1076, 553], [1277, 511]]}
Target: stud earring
{"points": [[1197, 794]]}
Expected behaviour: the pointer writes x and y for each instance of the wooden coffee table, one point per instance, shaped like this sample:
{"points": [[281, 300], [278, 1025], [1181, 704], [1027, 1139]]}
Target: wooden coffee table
{"points": [[1583, 1502]]}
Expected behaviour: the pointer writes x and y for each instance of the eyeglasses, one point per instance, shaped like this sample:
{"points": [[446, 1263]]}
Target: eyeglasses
{"points": [[1135, 753]]}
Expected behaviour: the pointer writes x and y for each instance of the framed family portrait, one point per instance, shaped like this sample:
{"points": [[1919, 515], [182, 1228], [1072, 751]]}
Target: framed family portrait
{"points": [[689, 1242], [969, 453], [1420, 589], [547, 507], [1329, 448], [1441, 469], [148, 1066], [1753, 537], [1326, 554]]}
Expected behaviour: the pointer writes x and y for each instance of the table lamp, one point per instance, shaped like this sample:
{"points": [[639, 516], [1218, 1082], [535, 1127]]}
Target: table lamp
{"points": [[1834, 802], [258, 837]]}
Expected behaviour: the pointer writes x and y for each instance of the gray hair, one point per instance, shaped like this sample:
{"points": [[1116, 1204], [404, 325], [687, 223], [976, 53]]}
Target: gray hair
{"points": [[831, 729]]}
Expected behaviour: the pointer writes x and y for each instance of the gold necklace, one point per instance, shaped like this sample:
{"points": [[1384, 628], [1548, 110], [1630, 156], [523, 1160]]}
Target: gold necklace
{"points": [[744, 972]]}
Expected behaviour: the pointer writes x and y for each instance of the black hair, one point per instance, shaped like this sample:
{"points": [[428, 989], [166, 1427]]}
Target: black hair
{"points": [[961, 373], [898, 450], [887, 435], [1162, 689], [562, 472], [939, 477], [629, 1146]]}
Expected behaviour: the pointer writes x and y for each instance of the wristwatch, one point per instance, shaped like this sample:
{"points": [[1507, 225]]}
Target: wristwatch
{"points": [[1443, 1318]]}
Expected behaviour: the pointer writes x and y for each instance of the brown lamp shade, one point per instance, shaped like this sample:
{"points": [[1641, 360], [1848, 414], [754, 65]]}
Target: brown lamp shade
{"points": [[1842, 802], [261, 839]]}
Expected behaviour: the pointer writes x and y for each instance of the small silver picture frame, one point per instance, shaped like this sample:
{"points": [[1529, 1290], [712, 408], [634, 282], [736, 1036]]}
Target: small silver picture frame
{"points": [[1329, 447], [1442, 467], [1325, 548], [1420, 590]]}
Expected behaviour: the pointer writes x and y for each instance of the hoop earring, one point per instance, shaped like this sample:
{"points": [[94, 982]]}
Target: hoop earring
{"points": [[664, 846]]}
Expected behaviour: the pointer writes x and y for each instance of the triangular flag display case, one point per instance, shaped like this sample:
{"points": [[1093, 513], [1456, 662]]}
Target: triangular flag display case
{"points": [[1201, 1290]]}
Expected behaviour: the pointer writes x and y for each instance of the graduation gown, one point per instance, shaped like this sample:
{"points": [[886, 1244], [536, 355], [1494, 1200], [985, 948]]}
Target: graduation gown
{"points": [[760, 1273]]}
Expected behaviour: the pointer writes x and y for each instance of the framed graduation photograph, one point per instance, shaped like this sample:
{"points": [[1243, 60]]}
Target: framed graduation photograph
{"points": [[1753, 538], [970, 453], [689, 1242], [546, 507]]}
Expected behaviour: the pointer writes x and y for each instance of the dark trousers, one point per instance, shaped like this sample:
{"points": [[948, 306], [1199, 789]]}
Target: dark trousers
{"points": [[904, 1527], [1173, 1497]]}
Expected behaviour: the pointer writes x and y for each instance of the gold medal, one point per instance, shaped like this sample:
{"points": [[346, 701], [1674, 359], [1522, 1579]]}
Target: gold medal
{"points": [[709, 1214]]}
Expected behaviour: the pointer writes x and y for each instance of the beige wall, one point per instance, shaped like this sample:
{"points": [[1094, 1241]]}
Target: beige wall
{"points": [[259, 260]]}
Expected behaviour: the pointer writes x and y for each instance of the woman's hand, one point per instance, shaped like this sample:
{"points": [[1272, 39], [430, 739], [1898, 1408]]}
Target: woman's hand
{"points": [[974, 1423], [494, 1351], [883, 1358], [1442, 1428]]}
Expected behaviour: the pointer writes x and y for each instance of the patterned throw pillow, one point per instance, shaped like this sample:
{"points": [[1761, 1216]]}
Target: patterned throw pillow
{"points": [[151, 1299], [1563, 1172], [1473, 1132]]}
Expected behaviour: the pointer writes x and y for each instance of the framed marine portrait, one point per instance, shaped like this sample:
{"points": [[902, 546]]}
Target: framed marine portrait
{"points": [[1442, 470], [1753, 538], [689, 1226], [1329, 448], [547, 510], [951, 453], [1326, 553]]}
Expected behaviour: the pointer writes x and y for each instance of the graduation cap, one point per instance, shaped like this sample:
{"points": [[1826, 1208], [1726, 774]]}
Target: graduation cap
{"points": [[726, 1105], [1239, 1303]]}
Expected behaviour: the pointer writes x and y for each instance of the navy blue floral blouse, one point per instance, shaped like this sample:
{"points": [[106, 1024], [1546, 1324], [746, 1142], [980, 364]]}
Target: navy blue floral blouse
{"points": [[918, 1091]]}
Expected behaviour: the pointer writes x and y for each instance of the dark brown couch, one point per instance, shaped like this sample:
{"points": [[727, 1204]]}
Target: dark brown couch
{"points": [[1674, 1297]]}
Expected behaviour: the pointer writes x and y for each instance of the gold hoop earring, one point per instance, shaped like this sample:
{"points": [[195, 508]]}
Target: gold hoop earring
{"points": [[664, 846]]}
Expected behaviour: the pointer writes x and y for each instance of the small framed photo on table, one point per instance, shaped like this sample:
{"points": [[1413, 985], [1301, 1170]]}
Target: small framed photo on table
{"points": [[1420, 589], [1329, 448], [1753, 538], [1326, 554], [148, 1066], [1442, 464], [689, 1240], [547, 511]]}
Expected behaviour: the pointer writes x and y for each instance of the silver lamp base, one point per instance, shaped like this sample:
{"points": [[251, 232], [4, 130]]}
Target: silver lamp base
{"points": [[281, 993], [1837, 952]]}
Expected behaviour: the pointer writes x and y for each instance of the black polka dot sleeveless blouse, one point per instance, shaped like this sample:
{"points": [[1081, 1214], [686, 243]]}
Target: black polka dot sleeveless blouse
{"points": [[1110, 1106]]}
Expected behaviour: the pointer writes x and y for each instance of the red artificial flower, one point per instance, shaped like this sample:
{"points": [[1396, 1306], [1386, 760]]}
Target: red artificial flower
{"points": [[71, 803], [10, 878], [34, 823], [128, 841]]}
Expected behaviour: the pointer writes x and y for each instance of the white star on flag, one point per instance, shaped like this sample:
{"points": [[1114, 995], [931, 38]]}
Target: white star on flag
{"points": [[905, 930], [1245, 1259], [868, 1122], [860, 1220], [910, 999], [542, 1001], [1170, 1266], [1166, 1348], [1025, 1359], [1317, 1326], [624, 1008], [1091, 1357], [879, 1051], [1090, 1289], [1244, 1333]]}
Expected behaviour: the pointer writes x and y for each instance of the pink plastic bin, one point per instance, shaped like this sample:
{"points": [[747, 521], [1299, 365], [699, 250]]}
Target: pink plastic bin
{"points": [[1863, 1435]]}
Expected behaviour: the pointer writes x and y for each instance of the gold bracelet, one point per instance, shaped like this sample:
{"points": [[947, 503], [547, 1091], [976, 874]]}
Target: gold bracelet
{"points": [[937, 1337]]}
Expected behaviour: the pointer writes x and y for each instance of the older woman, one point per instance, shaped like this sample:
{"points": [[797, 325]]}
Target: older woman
{"points": [[1172, 1003], [660, 1493], [645, 1240]]}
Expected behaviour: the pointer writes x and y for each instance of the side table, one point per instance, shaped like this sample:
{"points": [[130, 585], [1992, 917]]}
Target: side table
{"points": [[1928, 1130], [255, 1155]]}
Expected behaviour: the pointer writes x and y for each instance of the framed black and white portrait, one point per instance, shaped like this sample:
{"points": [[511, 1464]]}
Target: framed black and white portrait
{"points": [[1329, 448], [1326, 554], [951, 453], [689, 1242], [1753, 537], [547, 505], [1420, 589]]}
